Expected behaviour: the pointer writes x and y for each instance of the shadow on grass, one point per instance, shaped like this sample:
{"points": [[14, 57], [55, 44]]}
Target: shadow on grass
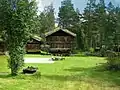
{"points": [[92, 75], [5, 75], [21, 75]]}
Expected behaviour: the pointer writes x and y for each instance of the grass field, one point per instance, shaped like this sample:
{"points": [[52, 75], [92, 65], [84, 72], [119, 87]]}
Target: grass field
{"points": [[37, 56], [73, 73]]}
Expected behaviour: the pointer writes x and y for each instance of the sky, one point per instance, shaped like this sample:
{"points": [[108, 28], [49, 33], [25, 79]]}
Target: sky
{"points": [[81, 4]]}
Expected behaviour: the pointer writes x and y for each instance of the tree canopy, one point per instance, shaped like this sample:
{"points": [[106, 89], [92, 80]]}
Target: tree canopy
{"points": [[17, 23], [67, 15]]}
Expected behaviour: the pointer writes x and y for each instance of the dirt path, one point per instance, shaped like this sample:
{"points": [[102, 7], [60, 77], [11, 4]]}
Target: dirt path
{"points": [[38, 60]]}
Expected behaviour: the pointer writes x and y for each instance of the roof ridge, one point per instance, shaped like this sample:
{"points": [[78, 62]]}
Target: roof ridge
{"points": [[58, 29]]}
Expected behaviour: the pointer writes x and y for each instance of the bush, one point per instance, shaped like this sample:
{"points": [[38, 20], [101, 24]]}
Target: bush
{"points": [[91, 50], [103, 51], [76, 51], [113, 60], [98, 54], [88, 54]]}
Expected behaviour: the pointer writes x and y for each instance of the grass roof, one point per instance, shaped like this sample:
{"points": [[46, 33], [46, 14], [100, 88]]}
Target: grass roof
{"points": [[36, 37], [58, 29]]}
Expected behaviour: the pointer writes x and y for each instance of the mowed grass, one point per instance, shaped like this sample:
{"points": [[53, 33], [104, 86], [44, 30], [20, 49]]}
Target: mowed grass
{"points": [[37, 56], [73, 73]]}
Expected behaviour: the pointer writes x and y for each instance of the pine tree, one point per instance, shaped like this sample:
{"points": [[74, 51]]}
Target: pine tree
{"points": [[67, 14], [47, 19], [101, 15], [111, 26], [89, 23]]}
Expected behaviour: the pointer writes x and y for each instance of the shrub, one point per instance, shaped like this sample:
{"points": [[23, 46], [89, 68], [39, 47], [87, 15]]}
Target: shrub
{"points": [[91, 50], [87, 54], [103, 51], [98, 54], [113, 60]]}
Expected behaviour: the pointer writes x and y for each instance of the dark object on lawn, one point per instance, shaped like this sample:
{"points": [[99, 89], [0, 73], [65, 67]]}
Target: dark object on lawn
{"points": [[57, 58], [30, 70]]}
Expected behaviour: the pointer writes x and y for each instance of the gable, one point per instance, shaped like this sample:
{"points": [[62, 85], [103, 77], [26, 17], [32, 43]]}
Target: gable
{"points": [[60, 32]]}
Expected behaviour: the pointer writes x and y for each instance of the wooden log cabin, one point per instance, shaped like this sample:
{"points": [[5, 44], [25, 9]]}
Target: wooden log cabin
{"points": [[33, 45], [61, 41]]}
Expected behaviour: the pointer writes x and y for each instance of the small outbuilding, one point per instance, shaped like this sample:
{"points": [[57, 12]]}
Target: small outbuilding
{"points": [[61, 41], [33, 45]]}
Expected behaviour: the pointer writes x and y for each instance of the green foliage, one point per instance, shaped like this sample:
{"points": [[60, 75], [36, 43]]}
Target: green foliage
{"points": [[89, 25], [91, 50], [16, 61], [17, 25], [103, 51], [113, 60], [49, 13], [100, 25], [67, 15], [47, 20]]}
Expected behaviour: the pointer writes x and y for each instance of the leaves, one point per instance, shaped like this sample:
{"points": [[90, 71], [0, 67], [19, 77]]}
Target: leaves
{"points": [[67, 15], [17, 24]]}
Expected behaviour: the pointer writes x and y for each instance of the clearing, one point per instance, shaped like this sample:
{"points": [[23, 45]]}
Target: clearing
{"points": [[73, 73]]}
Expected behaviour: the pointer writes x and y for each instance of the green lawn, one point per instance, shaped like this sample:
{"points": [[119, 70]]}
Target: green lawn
{"points": [[37, 56], [74, 73]]}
